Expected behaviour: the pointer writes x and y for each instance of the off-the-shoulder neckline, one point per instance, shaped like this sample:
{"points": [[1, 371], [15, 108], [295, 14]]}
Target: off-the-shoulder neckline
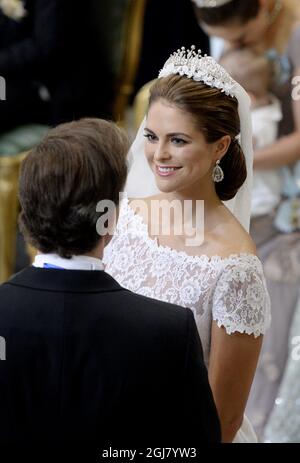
{"points": [[203, 258]]}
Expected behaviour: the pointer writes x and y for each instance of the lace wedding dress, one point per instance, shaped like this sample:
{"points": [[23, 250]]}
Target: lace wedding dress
{"points": [[231, 290]]}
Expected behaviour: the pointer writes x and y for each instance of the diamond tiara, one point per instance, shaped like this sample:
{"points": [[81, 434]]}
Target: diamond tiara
{"points": [[210, 3], [200, 68]]}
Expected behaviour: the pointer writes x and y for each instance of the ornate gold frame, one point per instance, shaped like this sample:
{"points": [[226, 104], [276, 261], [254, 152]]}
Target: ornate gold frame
{"points": [[9, 205], [132, 43]]}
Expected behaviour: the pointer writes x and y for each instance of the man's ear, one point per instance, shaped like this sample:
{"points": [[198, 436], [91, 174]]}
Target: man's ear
{"points": [[221, 147]]}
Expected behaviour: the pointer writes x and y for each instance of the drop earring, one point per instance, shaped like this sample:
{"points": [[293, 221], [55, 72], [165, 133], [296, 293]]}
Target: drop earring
{"points": [[217, 174]]}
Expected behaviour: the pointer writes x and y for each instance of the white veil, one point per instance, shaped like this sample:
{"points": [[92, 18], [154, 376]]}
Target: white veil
{"points": [[141, 180]]}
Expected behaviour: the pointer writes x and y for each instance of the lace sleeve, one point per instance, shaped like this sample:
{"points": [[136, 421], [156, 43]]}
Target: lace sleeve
{"points": [[240, 300]]}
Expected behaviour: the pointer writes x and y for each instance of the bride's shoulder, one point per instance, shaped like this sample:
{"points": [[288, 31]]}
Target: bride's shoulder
{"points": [[241, 240], [233, 238]]}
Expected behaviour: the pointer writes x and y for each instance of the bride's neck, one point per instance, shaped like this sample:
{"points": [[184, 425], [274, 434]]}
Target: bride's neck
{"points": [[211, 203], [208, 195]]}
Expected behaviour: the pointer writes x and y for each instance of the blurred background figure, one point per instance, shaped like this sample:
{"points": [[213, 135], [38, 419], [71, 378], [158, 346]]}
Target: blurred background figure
{"points": [[168, 25], [52, 64], [271, 28], [253, 71], [283, 425], [64, 60]]}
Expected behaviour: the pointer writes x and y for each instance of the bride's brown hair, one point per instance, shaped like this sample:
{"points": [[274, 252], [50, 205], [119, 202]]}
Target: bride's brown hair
{"points": [[215, 115], [236, 10]]}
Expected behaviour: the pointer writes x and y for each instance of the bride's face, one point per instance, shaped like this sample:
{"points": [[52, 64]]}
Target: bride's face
{"points": [[176, 150]]}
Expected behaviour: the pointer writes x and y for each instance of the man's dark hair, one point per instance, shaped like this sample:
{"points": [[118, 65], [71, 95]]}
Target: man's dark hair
{"points": [[63, 178]]}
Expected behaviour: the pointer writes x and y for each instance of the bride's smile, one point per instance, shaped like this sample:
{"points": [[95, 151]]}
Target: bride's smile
{"points": [[177, 151]]}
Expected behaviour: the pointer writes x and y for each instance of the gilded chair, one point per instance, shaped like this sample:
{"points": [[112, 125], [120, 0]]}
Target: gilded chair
{"points": [[131, 41], [13, 148], [9, 174], [118, 26]]}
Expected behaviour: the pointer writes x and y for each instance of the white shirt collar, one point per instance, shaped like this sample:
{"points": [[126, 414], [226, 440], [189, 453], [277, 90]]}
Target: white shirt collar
{"points": [[75, 263]]}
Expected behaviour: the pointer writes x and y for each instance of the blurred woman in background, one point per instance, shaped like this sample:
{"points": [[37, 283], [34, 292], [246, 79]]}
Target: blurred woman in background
{"points": [[272, 28]]}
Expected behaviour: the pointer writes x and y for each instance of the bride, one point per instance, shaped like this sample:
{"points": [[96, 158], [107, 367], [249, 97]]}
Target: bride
{"points": [[197, 141]]}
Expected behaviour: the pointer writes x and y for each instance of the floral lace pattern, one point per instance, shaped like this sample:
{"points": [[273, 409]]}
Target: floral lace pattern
{"points": [[232, 290]]}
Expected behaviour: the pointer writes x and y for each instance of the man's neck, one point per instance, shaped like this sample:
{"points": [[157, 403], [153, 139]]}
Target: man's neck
{"points": [[97, 252]]}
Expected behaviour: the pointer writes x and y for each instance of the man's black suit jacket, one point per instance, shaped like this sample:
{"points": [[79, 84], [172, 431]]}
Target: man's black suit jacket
{"points": [[88, 360]]}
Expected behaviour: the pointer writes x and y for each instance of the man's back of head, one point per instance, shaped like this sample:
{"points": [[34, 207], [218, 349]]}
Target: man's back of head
{"points": [[77, 165]]}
